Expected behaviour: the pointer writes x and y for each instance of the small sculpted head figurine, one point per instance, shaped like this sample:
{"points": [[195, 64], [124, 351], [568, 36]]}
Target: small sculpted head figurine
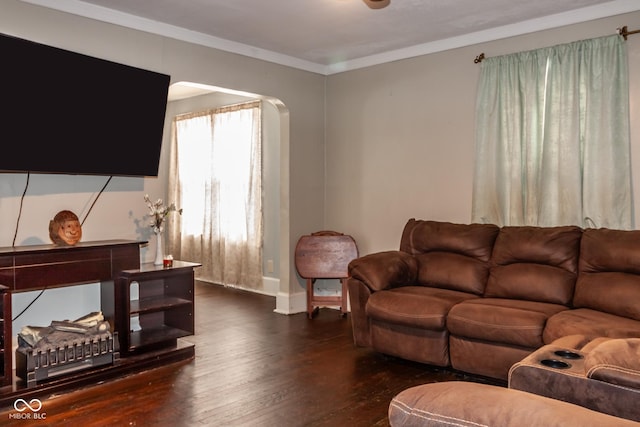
{"points": [[65, 229]]}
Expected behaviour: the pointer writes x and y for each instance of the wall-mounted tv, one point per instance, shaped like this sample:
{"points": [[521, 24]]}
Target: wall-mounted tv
{"points": [[65, 112]]}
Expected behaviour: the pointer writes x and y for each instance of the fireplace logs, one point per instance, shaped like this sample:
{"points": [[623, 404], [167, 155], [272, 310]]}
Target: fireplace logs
{"points": [[64, 347]]}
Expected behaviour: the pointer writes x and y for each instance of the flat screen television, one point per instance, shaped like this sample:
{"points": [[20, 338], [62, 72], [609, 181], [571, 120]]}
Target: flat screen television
{"points": [[65, 112]]}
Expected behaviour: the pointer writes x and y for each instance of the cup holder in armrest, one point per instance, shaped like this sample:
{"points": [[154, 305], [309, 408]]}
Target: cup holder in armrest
{"points": [[554, 363], [567, 354]]}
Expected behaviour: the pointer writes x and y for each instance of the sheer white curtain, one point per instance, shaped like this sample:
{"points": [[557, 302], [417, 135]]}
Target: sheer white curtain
{"points": [[552, 142], [215, 176]]}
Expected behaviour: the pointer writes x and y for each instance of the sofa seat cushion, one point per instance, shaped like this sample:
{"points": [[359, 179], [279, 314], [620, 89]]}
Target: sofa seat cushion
{"points": [[506, 321], [590, 323], [415, 306]]}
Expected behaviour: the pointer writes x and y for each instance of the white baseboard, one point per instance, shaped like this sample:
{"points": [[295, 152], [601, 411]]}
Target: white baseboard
{"points": [[291, 303], [285, 303], [271, 286]]}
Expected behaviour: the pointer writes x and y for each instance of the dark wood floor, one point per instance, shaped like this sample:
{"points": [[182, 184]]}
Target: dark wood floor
{"points": [[252, 368]]}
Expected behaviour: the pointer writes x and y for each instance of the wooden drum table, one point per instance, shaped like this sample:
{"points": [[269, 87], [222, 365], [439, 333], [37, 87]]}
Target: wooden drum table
{"points": [[325, 255]]}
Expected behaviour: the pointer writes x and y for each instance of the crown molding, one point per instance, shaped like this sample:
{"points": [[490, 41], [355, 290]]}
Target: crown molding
{"points": [[577, 16], [115, 17], [615, 7]]}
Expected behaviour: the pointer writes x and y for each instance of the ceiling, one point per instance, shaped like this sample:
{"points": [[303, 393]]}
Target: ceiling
{"points": [[329, 36]]}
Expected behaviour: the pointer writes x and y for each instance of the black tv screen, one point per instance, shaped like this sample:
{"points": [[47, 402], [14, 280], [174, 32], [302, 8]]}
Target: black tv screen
{"points": [[65, 112]]}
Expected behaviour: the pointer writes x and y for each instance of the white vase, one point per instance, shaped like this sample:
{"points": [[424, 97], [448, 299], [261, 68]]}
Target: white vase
{"points": [[159, 252]]}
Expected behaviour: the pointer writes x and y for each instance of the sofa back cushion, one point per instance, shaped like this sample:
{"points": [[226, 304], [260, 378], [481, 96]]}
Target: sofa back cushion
{"points": [[450, 256], [535, 264], [609, 277]]}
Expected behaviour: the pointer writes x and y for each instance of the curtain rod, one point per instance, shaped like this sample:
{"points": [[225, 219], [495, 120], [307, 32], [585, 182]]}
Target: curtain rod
{"points": [[623, 31]]}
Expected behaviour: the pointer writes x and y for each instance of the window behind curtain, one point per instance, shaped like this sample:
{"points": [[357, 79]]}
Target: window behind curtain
{"points": [[216, 167], [552, 141]]}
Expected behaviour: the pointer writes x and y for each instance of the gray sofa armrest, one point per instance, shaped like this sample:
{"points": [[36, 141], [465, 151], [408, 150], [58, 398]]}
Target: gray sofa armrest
{"points": [[384, 270]]}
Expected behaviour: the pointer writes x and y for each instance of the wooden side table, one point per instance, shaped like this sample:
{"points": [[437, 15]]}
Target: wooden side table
{"points": [[164, 307], [325, 255]]}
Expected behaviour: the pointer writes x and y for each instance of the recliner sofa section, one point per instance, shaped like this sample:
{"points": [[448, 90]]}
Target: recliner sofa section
{"points": [[479, 298], [400, 299]]}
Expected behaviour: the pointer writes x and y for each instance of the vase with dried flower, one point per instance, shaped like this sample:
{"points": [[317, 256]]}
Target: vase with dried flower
{"points": [[158, 212]]}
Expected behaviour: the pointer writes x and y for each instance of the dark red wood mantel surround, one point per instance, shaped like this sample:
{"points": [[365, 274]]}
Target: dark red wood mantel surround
{"points": [[30, 268], [33, 268]]}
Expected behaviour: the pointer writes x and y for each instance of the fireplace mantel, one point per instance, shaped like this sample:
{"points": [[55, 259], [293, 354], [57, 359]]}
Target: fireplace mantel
{"points": [[31, 268], [28, 268]]}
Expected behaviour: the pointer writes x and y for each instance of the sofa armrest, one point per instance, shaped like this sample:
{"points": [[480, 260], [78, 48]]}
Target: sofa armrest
{"points": [[616, 361], [384, 270], [598, 376]]}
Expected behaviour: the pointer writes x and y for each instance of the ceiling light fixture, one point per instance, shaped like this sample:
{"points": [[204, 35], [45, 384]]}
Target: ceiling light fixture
{"points": [[377, 4]]}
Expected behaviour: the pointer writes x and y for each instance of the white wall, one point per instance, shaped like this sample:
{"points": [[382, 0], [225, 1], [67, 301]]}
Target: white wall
{"points": [[119, 213], [398, 141], [400, 136]]}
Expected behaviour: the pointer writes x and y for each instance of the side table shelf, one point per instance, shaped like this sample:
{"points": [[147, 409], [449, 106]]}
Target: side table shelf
{"points": [[163, 310]]}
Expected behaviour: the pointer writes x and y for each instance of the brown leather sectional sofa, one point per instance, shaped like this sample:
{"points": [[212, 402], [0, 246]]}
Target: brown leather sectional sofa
{"points": [[479, 298]]}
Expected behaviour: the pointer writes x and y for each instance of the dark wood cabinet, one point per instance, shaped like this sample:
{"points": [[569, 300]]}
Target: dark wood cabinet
{"points": [[5, 336], [156, 306]]}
